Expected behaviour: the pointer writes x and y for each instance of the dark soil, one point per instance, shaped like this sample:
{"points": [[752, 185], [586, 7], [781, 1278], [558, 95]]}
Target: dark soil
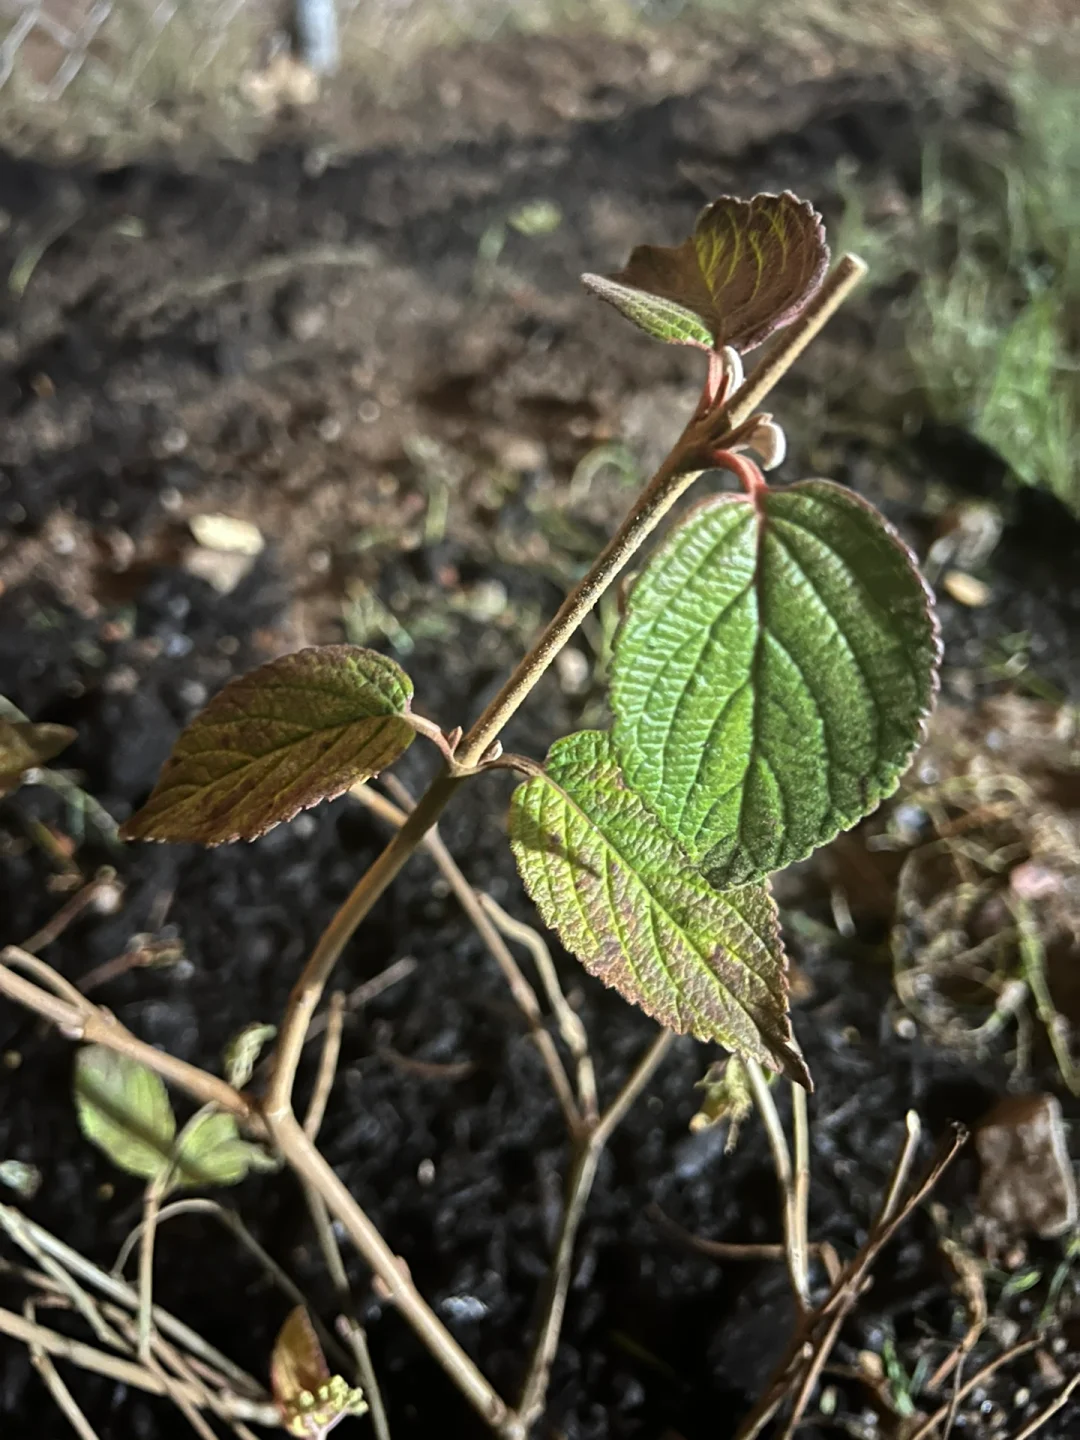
{"points": [[148, 373]]}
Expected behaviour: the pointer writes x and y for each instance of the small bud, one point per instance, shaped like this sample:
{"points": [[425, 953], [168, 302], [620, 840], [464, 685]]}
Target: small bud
{"points": [[765, 437]]}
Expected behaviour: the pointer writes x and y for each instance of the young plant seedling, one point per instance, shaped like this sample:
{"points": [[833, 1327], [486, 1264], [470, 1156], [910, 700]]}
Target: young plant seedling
{"points": [[771, 677]]}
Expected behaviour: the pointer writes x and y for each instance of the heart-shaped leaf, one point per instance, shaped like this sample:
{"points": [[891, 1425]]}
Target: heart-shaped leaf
{"points": [[749, 268], [23, 746], [298, 730], [123, 1107], [624, 899], [310, 1399], [773, 675]]}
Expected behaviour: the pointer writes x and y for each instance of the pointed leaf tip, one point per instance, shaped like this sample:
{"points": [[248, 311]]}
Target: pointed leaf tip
{"points": [[748, 269], [623, 898], [301, 729]]}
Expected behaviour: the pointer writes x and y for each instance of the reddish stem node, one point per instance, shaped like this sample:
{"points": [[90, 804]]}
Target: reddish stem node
{"points": [[742, 467]]}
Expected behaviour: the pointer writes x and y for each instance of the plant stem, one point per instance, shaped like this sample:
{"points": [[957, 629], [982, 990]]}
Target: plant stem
{"points": [[800, 1195], [793, 1248], [569, 1022], [324, 1080], [677, 473], [310, 1165], [83, 1021], [60, 1393], [582, 1176], [126, 1372], [472, 904]]}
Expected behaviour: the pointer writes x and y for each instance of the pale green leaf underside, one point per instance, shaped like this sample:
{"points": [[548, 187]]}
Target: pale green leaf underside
{"points": [[211, 1152], [662, 319], [124, 1109], [773, 675], [296, 731], [623, 899]]}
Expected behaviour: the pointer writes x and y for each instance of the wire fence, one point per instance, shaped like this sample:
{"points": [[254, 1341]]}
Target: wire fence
{"points": [[48, 46]]}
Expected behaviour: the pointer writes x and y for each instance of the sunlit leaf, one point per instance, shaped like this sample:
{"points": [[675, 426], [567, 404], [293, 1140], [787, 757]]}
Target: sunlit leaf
{"points": [[24, 746], [310, 1399], [298, 730], [749, 268], [124, 1109], [210, 1152], [773, 675], [624, 899]]}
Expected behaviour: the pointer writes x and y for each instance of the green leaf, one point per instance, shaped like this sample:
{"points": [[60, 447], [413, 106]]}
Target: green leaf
{"points": [[749, 268], [624, 899], [24, 746], [210, 1152], [124, 1109], [773, 675], [296, 731]]}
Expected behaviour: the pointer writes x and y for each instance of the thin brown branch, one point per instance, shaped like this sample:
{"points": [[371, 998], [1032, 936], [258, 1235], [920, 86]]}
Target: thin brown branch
{"points": [[579, 1187], [816, 1334], [366, 991], [324, 1231], [328, 1060], [353, 1331], [523, 993], [114, 1367], [794, 1248], [62, 1396], [311, 1166], [720, 1249], [38, 1241], [980, 1378], [569, 1022], [70, 910], [80, 1020], [800, 1190], [1058, 1403]]}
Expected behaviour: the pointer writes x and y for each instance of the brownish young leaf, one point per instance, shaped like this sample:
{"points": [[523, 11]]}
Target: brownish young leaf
{"points": [[298, 730], [749, 268], [623, 897], [310, 1399], [24, 745]]}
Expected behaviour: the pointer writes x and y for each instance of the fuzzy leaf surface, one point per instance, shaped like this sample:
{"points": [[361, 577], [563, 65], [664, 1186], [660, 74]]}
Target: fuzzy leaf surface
{"points": [[773, 675], [624, 899], [749, 268], [298, 730], [24, 745], [124, 1109]]}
